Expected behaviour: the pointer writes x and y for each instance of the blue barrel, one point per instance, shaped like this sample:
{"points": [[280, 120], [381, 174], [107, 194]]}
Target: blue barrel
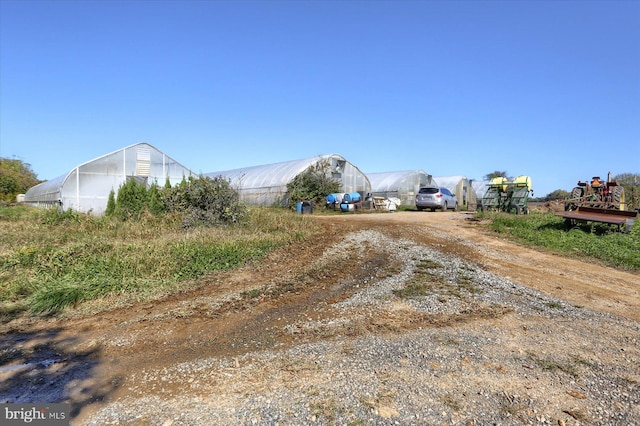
{"points": [[335, 198], [351, 197], [346, 207], [299, 207]]}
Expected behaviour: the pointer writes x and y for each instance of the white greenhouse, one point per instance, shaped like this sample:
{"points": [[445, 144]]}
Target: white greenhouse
{"points": [[403, 185], [461, 188], [480, 187], [266, 185], [86, 188]]}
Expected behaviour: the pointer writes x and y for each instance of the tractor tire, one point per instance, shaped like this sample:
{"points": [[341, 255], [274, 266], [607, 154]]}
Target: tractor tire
{"points": [[577, 192], [618, 198]]}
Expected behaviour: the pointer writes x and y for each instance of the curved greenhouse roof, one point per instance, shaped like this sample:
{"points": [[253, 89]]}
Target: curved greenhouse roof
{"points": [[86, 188], [480, 187], [403, 184], [267, 184]]}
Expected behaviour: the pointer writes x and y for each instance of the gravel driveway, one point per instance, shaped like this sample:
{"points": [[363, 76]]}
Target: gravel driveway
{"points": [[409, 328]]}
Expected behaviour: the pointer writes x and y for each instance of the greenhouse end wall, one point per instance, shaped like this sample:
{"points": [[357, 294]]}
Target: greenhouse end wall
{"points": [[461, 188], [266, 185], [403, 185], [86, 188]]}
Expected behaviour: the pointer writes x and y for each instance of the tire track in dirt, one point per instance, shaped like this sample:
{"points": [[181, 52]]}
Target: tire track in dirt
{"points": [[584, 284]]}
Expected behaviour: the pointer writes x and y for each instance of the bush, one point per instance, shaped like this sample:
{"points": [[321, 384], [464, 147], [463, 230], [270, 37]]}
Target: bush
{"points": [[313, 184], [111, 204], [156, 205], [205, 201], [131, 200], [16, 177], [201, 201]]}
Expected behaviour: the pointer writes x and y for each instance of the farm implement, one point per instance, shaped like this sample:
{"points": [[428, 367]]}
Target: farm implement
{"points": [[598, 201], [507, 195]]}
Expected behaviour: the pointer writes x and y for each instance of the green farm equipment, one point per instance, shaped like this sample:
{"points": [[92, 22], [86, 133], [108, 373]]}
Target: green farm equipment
{"points": [[507, 195]]}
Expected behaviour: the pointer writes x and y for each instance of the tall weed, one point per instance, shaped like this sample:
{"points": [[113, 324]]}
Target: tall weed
{"points": [[50, 260]]}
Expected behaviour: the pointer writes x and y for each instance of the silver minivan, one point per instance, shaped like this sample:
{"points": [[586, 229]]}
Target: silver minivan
{"points": [[436, 198]]}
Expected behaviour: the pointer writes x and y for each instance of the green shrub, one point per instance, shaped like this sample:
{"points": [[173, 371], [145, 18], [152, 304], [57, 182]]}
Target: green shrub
{"points": [[155, 205], [206, 201], [131, 200], [111, 204], [313, 184]]}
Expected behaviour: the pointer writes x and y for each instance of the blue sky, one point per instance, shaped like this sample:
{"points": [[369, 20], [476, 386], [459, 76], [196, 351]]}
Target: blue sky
{"points": [[549, 89]]}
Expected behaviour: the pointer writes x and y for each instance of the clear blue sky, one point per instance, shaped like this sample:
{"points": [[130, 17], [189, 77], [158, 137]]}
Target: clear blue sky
{"points": [[549, 89]]}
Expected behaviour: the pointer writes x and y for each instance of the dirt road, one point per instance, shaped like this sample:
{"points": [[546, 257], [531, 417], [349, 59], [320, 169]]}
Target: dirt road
{"points": [[585, 284], [111, 364]]}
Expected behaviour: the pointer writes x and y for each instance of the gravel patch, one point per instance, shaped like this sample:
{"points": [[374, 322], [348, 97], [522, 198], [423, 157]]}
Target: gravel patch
{"points": [[538, 361]]}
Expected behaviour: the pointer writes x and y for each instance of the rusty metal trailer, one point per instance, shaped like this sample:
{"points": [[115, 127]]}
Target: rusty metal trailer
{"points": [[598, 201], [621, 218]]}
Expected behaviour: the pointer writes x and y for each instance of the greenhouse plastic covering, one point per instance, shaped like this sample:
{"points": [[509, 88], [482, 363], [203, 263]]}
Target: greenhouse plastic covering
{"points": [[267, 184], [403, 185], [461, 188], [480, 187], [86, 188]]}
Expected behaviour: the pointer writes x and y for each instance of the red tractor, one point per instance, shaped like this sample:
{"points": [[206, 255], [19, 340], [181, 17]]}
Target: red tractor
{"points": [[598, 202], [596, 194]]}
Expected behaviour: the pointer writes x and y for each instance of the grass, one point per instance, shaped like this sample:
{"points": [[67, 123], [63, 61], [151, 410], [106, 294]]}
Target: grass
{"points": [[571, 366], [598, 244], [51, 260], [427, 282]]}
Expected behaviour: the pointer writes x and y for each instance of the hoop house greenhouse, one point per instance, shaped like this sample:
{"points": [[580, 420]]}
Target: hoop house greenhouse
{"points": [[86, 188], [266, 185], [403, 185], [461, 188], [480, 188]]}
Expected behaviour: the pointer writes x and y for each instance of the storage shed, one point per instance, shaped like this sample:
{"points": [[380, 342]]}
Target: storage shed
{"points": [[403, 185], [266, 185], [461, 188], [86, 188]]}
